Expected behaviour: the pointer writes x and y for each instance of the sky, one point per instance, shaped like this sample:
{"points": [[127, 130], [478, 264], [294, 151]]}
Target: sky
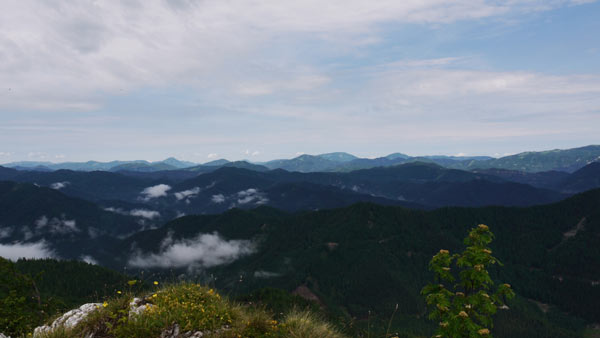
{"points": [[259, 80]]}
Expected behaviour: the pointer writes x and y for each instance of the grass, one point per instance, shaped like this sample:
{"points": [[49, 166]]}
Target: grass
{"points": [[192, 307]]}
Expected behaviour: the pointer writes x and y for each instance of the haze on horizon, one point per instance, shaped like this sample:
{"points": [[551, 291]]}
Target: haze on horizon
{"points": [[260, 80]]}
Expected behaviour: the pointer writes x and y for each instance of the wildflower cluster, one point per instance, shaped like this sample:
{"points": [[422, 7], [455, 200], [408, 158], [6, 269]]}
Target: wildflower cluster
{"points": [[191, 306], [465, 309]]}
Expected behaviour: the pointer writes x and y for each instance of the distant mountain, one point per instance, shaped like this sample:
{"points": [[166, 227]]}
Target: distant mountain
{"points": [[424, 184], [304, 163], [568, 160], [338, 157], [92, 186], [214, 165], [544, 179], [583, 179], [143, 167], [168, 164], [172, 161], [8, 173], [458, 158], [33, 214], [396, 156], [219, 162]]}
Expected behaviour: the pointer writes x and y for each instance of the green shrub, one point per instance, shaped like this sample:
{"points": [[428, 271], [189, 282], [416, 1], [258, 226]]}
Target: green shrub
{"points": [[465, 309]]}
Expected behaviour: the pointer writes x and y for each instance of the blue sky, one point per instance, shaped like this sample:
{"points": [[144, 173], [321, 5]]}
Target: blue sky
{"points": [[258, 80]]}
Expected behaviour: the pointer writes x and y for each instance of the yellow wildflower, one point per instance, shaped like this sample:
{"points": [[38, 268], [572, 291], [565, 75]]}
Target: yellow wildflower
{"points": [[154, 295], [483, 332], [155, 283], [446, 269], [105, 304], [119, 292], [463, 314]]}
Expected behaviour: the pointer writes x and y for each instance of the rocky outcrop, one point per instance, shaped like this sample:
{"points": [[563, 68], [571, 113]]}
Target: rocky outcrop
{"points": [[68, 320]]}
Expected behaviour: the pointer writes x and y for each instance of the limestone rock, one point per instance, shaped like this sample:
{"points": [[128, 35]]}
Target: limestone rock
{"points": [[69, 319]]}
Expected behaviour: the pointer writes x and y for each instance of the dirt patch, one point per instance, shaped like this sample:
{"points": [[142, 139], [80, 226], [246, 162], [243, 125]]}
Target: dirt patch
{"points": [[571, 233], [543, 306], [304, 292]]}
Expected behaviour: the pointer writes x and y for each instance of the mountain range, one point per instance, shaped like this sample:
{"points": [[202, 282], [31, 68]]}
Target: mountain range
{"points": [[567, 160], [357, 241]]}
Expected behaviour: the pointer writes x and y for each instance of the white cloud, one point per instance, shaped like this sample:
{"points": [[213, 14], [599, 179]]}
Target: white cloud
{"points": [[41, 222], [26, 250], [190, 193], [27, 233], [256, 153], [211, 156], [218, 198], [89, 259], [56, 225], [203, 251], [66, 53], [251, 196], [36, 154], [156, 191], [144, 213], [59, 185], [5, 154], [117, 210], [5, 232]]}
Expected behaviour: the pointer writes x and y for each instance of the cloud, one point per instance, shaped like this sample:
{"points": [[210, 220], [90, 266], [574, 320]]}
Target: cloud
{"points": [[251, 196], [218, 198], [89, 259], [56, 225], [212, 155], [156, 191], [191, 193], [144, 213], [266, 274], [26, 250], [66, 53], [59, 185], [5, 232], [202, 251], [256, 153], [5, 154], [36, 154]]}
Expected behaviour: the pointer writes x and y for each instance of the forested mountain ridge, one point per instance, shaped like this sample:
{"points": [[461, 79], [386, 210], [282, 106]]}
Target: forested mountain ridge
{"points": [[368, 257]]}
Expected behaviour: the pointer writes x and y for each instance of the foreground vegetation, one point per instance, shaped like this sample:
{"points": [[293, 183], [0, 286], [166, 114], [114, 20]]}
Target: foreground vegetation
{"points": [[191, 308]]}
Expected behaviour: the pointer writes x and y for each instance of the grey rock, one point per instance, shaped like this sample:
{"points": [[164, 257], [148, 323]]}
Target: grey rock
{"points": [[68, 320]]}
